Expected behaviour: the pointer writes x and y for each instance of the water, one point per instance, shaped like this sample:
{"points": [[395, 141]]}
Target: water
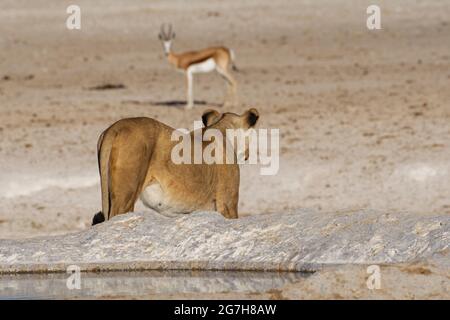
{"points": [[144, 284]]}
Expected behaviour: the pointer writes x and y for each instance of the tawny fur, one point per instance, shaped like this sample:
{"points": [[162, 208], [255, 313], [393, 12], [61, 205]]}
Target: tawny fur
{"points": [[135, 153]]}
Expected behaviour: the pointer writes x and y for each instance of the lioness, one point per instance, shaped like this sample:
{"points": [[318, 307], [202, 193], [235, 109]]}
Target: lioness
{"points": [[134, 158]]}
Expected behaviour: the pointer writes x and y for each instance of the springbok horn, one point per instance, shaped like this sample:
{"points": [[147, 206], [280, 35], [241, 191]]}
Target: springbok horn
{"points": [[163, 33]]}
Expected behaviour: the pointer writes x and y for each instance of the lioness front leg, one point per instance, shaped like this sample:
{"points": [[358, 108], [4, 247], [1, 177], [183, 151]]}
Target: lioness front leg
{"points": [[227, 202], [228, 211], [227, 192]]}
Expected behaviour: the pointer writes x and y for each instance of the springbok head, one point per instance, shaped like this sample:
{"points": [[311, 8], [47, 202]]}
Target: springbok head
{"points": [[166, 37]]}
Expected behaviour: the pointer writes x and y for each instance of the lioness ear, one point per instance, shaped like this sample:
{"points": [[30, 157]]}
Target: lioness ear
{"points": [[252, 117], [210, 117]]}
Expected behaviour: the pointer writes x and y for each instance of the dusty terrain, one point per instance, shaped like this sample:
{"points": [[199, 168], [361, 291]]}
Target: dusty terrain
{"points": [[364, 116]]}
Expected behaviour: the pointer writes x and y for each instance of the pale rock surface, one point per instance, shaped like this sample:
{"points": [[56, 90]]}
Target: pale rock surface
{"points": [[299, 241]]}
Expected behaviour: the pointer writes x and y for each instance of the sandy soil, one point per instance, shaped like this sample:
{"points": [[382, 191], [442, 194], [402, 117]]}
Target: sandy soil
{"points": [[363, 115]]}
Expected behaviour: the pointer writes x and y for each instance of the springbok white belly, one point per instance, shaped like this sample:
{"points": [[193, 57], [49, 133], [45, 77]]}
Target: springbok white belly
{"points": [[203, 67], [155, 198]]}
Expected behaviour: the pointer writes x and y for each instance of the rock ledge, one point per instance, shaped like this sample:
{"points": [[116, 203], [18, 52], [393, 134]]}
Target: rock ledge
{"points": [[299, 241]]}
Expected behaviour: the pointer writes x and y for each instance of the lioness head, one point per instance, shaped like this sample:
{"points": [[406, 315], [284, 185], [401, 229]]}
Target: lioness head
{"points": [[229, 120]]}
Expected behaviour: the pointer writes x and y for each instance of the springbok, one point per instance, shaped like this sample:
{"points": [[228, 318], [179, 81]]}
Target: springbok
{"points": [[201, 61]]}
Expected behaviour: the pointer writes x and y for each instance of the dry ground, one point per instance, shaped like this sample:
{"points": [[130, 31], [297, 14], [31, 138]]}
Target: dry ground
{"points": [[364, 115]]}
